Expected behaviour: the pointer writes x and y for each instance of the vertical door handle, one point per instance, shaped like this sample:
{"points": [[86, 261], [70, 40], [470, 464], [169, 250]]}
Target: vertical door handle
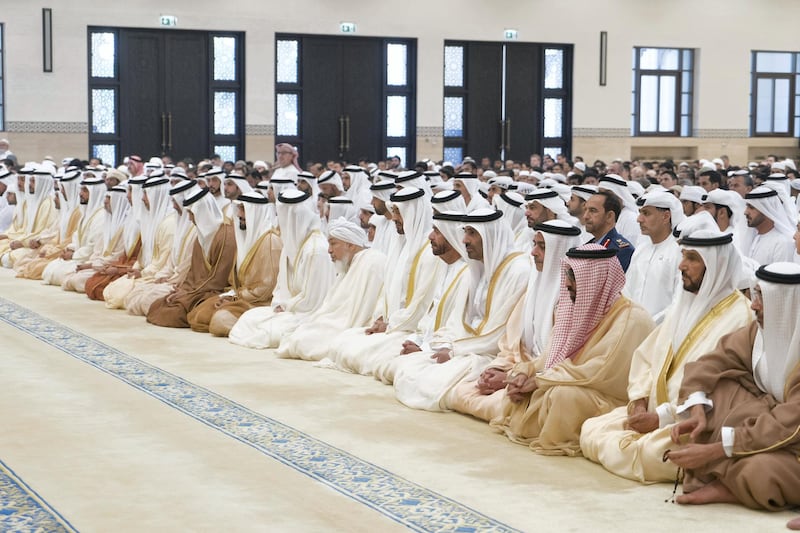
{"points": [[508, 136], [502, 135], [341, 135], [347, 133], [169, 131], [163, 132]]}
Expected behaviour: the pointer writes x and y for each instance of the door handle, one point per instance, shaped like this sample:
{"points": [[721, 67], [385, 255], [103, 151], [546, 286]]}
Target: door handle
{"points": [[169, 131], [163, 132], [508, 136], [347, 133], [341, 135], [502, 135]]}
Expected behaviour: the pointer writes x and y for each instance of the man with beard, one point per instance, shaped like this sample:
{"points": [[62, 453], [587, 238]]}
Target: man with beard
{"points": [[349, 303]]}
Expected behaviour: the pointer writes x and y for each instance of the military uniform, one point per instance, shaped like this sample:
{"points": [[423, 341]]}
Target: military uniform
{"points": [[613, 240]]}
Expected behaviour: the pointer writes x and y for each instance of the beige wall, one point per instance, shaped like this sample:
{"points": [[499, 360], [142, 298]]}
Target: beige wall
{"points": [[724, 32]]}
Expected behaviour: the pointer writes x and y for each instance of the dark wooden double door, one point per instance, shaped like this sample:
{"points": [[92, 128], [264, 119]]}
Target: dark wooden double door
{"points": [[341, 117], [164, 93], [504, 92]]}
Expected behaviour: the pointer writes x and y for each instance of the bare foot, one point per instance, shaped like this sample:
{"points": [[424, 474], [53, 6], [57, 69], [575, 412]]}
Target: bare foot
{"points": [[794, 523], [714, 492]]}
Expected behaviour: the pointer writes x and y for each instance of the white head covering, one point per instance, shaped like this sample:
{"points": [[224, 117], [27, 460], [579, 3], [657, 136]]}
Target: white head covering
{"points": [[331, 177], [701, 220], [768, 201], [472, 184], [207, 217], [553, 201], [449, 201], [296, 218], [342, 206], [415, 209], [723, 268], [115, 220], [498, 243], [544, 287], [412, 178], [240, 181], [664, 200], [617, 185], [359, 191], [776, 351], [157, 190], [256, 215], [184, 229], [512, 205], [43, 192], [783, 189], [449, 224], [70, 200], [347, 231], [693, 193], [584, 192]]}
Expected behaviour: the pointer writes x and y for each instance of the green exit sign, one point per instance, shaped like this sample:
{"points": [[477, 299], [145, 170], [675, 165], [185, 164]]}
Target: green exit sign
{"points": [[347, 27], [169, 20]]}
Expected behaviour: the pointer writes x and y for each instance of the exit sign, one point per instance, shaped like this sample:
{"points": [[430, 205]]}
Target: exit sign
{"points": [[510, 35], [169, 20], [347, 27]]}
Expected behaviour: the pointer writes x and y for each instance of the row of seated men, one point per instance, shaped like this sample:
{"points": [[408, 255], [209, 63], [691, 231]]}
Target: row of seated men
{"points": [[515, 312]]}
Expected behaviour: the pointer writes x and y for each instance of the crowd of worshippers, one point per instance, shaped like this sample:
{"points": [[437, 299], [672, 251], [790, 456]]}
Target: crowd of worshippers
{"points": [[652, 330]]}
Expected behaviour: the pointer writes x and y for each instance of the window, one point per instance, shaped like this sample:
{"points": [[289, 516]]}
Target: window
{"points": [[775, 96], [662, 91]]}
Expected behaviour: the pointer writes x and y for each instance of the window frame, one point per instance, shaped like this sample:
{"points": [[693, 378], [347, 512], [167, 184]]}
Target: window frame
{"points": [[794, 90], [678, 75]]}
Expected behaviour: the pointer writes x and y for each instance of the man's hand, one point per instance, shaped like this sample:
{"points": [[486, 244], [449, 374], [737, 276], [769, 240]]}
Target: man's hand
{"points": [[491, 380], [379, 326], [34, 244], [83, 266], [409, 347], [171, 297], [696, 455], [14, 245], [278, 309], [694, 425], [442, 355], [643, 422], [135, 273], [519, 386]]}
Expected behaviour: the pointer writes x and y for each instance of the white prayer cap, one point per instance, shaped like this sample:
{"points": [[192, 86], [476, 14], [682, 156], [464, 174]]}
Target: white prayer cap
{"points": [[718, 161], [489, 174], [561, 178], [706, 166], [664, 200], [683, 164], [536, 175], [584, 192], [524, 173], [260, 164], [693, 193], [779, 165], [347, 231], [580, 165], [752, 164], [740, 172], [789, 163]]}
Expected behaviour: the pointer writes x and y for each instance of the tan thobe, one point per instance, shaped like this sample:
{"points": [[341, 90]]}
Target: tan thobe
{"points": [[253, 283], [764, 471], [33, 267], [204, 279], [656, 375], [46, 219], [591, 383]]}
